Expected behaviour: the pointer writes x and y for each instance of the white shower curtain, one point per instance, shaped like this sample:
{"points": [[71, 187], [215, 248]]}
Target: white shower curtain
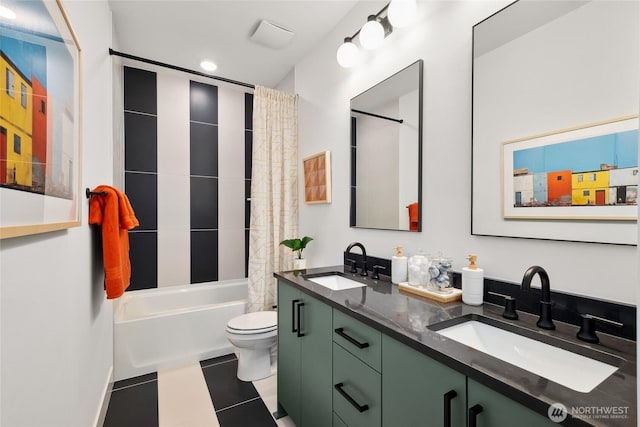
{"points": [[274, 192]]}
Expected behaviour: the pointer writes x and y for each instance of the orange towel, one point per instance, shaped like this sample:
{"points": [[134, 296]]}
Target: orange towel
{"points": [[413, 216], [115, 214]]}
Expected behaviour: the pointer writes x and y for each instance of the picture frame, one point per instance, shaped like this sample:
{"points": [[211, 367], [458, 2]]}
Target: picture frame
{"points": [[40, 135], [317, 178], [588, 172]]}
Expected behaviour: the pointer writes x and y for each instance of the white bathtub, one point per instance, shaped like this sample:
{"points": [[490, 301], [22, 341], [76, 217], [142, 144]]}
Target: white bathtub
{"points": [[165, 327]]}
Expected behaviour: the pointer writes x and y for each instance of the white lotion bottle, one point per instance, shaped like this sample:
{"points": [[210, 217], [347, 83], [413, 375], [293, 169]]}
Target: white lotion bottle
{"points": [[398, 266], [472, 282]]}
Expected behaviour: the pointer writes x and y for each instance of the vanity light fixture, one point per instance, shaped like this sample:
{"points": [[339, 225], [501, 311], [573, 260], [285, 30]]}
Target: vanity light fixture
{"points": [[371, 33], [348, 53], [208, 65], [401, 12], [374, 31]]}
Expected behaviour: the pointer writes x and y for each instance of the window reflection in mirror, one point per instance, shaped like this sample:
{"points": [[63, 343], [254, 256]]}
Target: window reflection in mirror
{"points": [[386, 153]]}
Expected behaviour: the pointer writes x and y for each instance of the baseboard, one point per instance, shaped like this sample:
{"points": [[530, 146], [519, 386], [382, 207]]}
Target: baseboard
{"points": [[106, 397]]}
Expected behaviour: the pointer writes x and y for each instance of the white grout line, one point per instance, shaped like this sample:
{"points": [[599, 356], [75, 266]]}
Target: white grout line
{"points": [[238, 404], [133, 385], [218, 363]]}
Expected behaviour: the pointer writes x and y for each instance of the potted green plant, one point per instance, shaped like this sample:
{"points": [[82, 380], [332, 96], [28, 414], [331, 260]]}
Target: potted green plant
{"points": [[297, 246]]}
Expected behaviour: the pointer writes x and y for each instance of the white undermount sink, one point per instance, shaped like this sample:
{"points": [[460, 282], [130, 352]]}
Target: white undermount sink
{"points": [[572, 370], [335, 282]]}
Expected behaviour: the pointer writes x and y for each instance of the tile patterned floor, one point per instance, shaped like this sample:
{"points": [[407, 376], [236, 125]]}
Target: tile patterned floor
{"points": [[207, 394]]}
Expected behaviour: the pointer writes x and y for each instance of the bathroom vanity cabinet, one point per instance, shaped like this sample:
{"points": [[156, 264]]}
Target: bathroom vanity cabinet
{"points": [[304, 357], [357, 377], [345, 359], [417, 388]]}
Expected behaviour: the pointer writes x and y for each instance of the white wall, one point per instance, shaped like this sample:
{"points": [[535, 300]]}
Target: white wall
{"points": [[377, 188], [442, 37], [56, 325]]}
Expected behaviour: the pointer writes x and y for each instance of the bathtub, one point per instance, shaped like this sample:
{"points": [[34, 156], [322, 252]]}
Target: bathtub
{"points": [[165, 327]]}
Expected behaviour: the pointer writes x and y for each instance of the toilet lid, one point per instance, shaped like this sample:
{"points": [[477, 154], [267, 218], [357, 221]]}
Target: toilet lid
{"points": [[254, 323]]}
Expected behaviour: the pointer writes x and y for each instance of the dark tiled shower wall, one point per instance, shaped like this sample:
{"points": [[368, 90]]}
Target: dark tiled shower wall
{"points": [[248, 149], [169, 230], [140, 171]]}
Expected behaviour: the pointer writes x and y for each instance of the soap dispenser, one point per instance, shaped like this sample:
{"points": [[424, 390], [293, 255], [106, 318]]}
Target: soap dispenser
{"points": [[472, 282], [398, 266]]}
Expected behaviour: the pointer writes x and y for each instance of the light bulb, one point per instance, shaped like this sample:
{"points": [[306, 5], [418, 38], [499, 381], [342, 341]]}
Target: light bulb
{"points": [[372, 33], [401, 12], [208, 65], [348, 53]]}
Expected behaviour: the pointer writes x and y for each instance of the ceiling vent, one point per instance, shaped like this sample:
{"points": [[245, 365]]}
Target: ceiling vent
{"points": [[272, 35]]}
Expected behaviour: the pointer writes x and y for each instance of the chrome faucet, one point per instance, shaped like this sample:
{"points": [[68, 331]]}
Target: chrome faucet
{"points": [[545, 321], [364, 256]]}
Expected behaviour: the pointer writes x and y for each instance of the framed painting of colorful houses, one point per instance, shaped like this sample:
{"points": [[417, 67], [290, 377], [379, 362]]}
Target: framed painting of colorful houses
{"points": [[584, 173], [40, 147]]}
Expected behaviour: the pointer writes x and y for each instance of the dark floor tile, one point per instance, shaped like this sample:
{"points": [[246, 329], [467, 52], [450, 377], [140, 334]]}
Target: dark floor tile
{"points": [[224, 386], [134, 406], [216, 360], [250, 414], [135, 380]]}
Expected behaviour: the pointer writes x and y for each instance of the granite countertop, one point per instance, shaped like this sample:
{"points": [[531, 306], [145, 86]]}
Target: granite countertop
{"points": [[406, 318]]}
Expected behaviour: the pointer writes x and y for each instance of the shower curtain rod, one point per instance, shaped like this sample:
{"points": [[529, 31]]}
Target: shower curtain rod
{"points": [[377, 116], [174, 67]]}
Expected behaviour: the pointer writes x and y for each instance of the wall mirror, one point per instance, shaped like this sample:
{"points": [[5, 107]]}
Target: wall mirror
{"points": [[386, 153], [544, 72]]}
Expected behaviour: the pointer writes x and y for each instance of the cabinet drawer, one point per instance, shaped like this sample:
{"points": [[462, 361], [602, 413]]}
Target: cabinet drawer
{"points": [[357, 390], [361, 340]]}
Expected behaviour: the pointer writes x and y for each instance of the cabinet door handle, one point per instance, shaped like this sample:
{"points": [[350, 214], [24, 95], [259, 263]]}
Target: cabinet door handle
{"points": [[299, 331], [448, 397], [294, 324], [340, 331], [360, 408], [473, 412]]}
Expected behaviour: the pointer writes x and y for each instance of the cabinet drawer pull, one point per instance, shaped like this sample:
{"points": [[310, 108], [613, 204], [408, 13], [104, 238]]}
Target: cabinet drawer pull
{"points": [[294, 324], [360, 408], [448, 397], [299, 331], [340, 331], [473, 412]]}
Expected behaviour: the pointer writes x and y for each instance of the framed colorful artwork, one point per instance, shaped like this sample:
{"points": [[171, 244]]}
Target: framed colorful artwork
{"points": [[40, 136], [584, 173], [317, 178]]}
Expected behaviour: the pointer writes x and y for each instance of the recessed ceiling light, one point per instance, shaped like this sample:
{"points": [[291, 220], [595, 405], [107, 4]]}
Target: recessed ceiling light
{"points": [[208, 65], [7, 13]]}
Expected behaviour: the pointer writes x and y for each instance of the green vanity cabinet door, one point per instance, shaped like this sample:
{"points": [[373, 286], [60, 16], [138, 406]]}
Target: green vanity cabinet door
{"points": [[356, 390], [289, 351], [316, 363], [414, 388], [500, 411], [304, 357]]}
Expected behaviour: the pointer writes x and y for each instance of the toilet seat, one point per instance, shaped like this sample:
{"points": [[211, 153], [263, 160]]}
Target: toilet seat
{"points": [[253, 323]]}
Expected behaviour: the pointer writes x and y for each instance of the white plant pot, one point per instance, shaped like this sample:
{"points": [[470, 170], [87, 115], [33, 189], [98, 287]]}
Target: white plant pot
{"points": [[299, 264]]}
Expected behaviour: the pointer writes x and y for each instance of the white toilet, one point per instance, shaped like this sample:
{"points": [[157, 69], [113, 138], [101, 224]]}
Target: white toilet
{"points": [[254, 335]]}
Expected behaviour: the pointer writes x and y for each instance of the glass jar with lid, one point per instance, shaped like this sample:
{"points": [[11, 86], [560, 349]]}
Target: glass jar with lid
{"points": [[419, 269], [439, 272]]}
